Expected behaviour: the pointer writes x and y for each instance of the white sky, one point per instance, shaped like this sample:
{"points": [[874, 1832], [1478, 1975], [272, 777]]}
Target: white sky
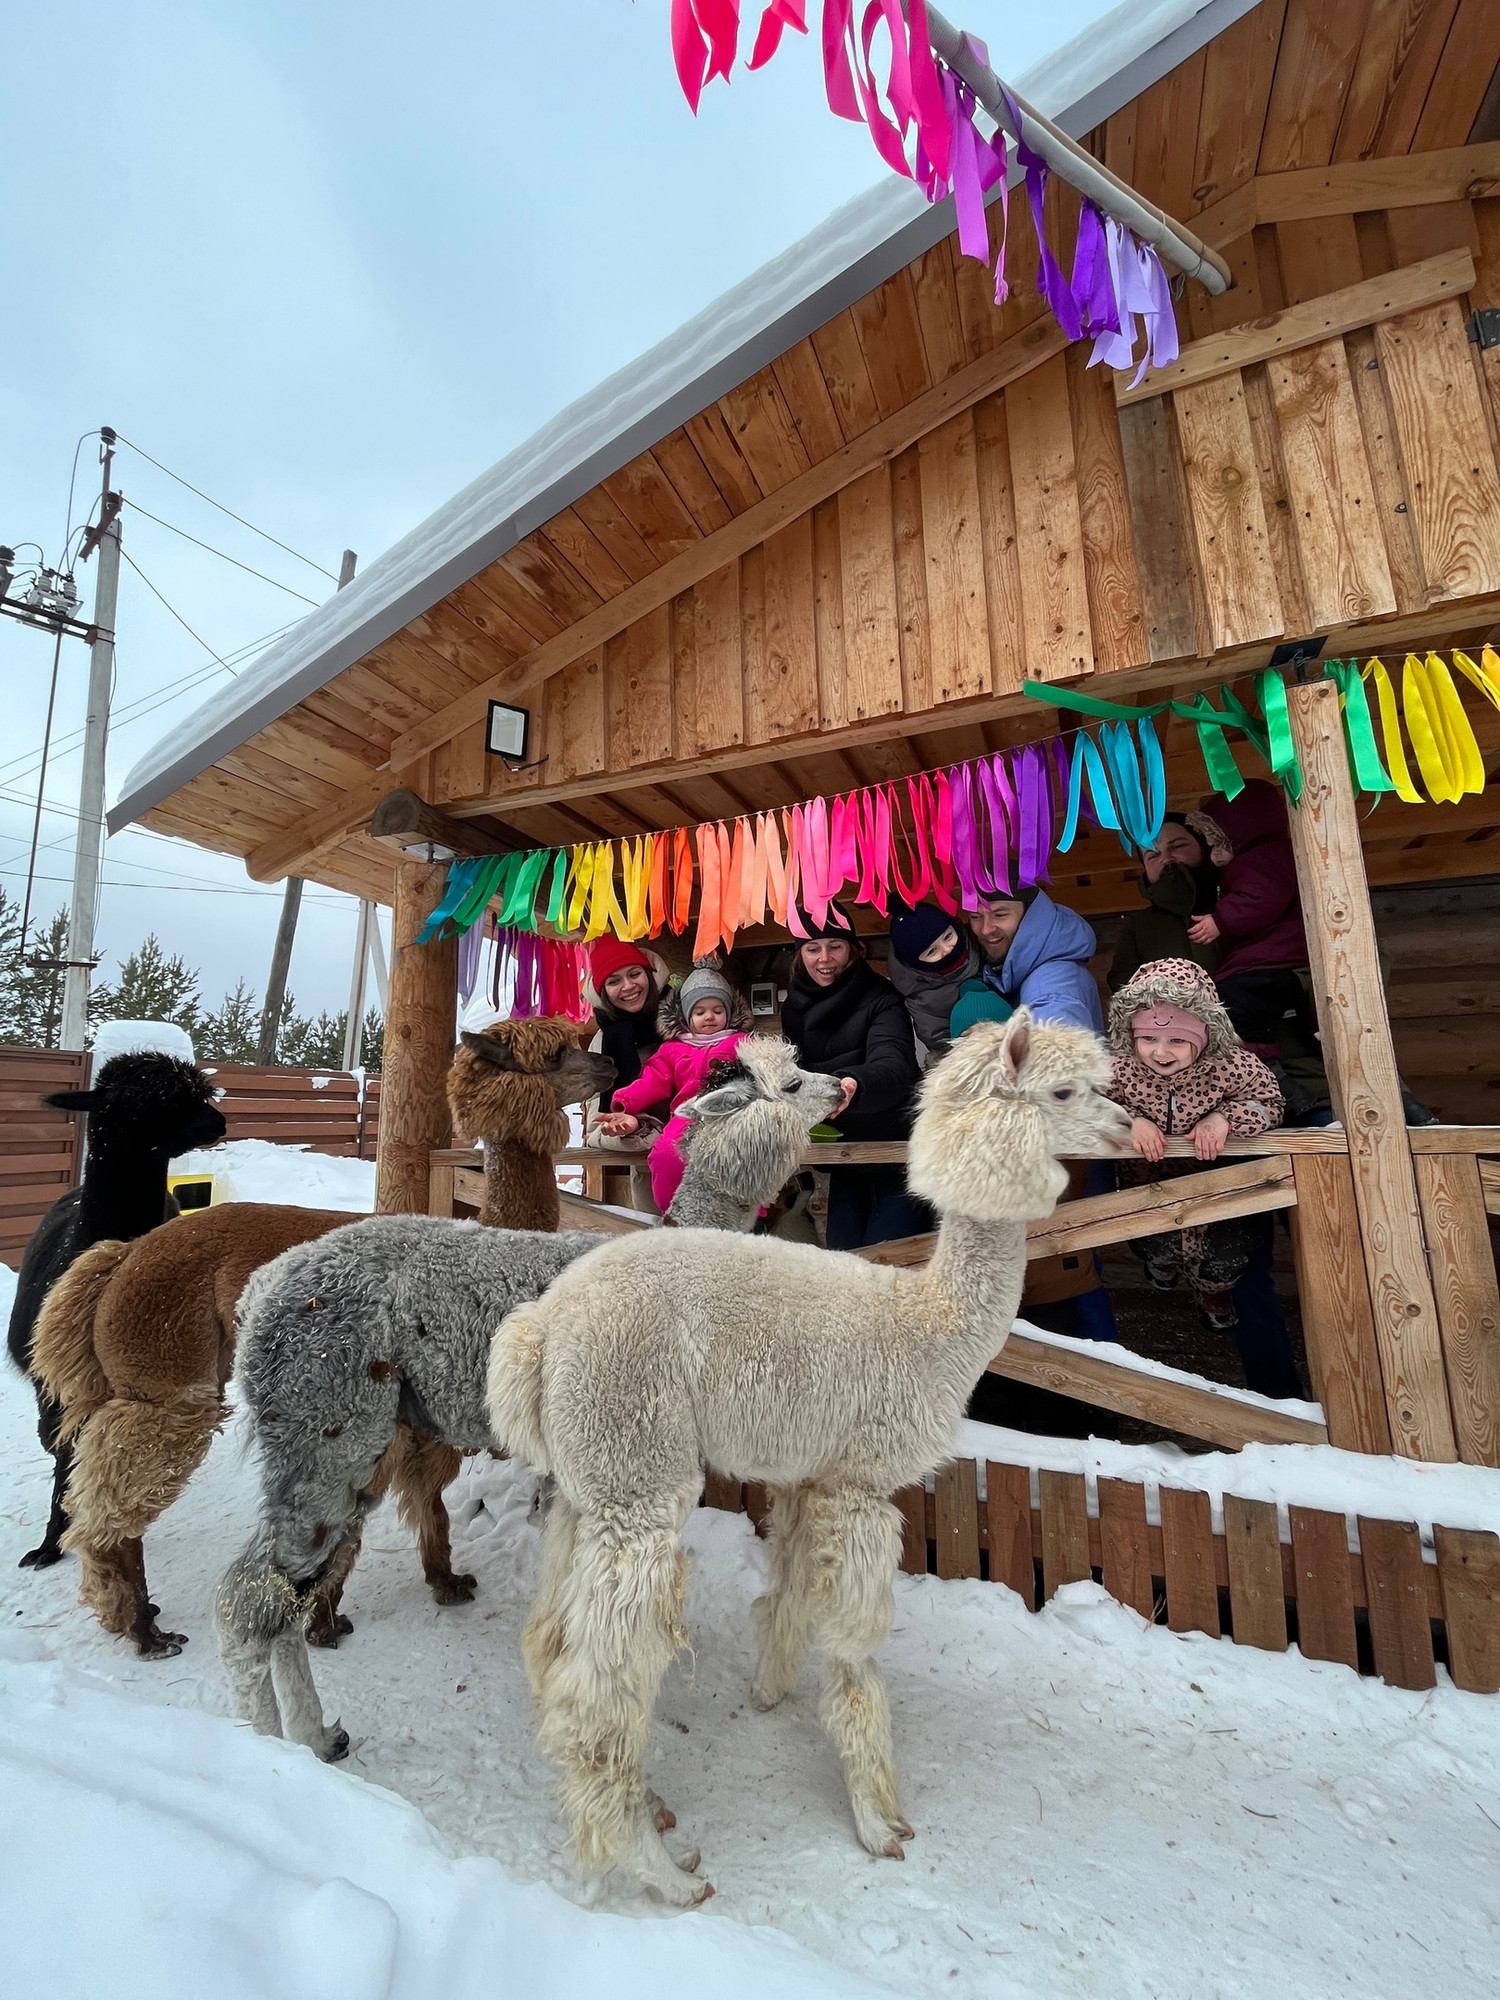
{"points": [[328, 263]]}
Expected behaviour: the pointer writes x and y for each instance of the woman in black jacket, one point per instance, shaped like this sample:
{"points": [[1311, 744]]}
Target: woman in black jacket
{"points": [[847, 1021]]}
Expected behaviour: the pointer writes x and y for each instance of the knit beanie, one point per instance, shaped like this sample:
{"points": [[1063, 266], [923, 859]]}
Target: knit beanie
{"points": [[703, 983], [611, 954], [914, 931], [977, 1002], [1161, 1019], [835, 924]]}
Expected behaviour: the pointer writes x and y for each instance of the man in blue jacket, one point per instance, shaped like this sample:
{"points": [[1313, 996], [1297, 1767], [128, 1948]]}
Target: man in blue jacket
{"points": [[1036, 955]]}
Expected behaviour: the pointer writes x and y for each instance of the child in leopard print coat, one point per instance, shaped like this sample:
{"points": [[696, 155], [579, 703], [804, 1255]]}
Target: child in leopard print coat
{"points": [[1182, 1070]]}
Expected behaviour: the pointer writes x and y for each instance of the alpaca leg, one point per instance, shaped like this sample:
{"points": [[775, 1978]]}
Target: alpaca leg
{"points": [[132, 1460], [297, 1698], [621, 1610], [49, 1549], [326, 1624], [784, 1616], [858, 1548], [542, 1640], [421, 1466]]}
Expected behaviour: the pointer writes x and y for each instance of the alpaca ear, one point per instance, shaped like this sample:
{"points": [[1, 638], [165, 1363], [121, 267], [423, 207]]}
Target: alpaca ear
{"points": [[74, 1100], [722, 1102], [1017, 1044], [488, 1051]]}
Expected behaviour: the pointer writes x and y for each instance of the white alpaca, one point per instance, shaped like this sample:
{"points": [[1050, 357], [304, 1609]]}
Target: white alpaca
{"points": [[833, 1380]]}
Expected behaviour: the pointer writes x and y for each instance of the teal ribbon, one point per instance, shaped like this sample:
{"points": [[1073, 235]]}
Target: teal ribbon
{"points": [[460, 880], [1086, 757], [556, 900]]}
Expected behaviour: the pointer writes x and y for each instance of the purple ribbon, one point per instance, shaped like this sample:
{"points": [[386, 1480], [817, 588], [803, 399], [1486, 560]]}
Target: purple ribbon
{"points": [[1144, 292], [1093, 287], [1050, 281], [1036, 814], [470, 946]]}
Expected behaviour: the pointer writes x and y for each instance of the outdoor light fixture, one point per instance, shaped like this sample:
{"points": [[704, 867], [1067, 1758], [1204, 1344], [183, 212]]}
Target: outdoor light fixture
{"points": [[7, 571], [505, 732]]}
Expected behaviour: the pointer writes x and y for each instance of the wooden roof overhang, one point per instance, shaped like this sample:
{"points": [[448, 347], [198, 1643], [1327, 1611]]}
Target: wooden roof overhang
{"points": [[842, 568]]}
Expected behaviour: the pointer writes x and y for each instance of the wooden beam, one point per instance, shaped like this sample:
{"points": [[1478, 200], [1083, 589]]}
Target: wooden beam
{"points": [[420, 1024], [1413, 180], [1468, 1300], [1373, 299], [402, 820], [578, 1212], [969, 385], [316, 832], [1178, 1403], [1356, 1040]]}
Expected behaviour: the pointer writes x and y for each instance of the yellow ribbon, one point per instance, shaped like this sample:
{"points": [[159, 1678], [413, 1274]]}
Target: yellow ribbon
{"points": [[1390, 725], [1486, 676], [580, 879], [635, 861], [1441, 733]]}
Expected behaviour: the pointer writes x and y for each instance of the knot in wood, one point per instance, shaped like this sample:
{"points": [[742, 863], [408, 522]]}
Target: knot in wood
{"points": [[1231, 478]]}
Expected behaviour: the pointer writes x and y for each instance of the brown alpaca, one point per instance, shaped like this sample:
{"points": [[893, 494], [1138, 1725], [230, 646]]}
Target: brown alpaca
{"points": [[136, 1342], [508, 1087]]}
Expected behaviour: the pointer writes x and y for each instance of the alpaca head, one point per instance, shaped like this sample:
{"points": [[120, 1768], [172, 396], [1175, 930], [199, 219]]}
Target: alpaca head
{"points": [[508, 1085], [147, 1103], [746, 1131], [998, 1109]]}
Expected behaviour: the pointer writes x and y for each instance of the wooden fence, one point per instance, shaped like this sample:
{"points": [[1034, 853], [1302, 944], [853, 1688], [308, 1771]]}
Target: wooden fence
{"points": [[1381, 1608], [38, 1149], [317, 1108]]}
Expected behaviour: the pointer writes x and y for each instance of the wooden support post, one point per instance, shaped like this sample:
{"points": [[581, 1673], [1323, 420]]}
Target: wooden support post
{"points": [[1361, 1062], [1468, 1298], [420, 1026]]}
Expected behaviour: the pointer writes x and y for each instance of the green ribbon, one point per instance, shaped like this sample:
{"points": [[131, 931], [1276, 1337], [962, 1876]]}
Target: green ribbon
{"points": [[1281, 751], [556, 901], [518, 911], [1218, 759], [482, 888], [1091, 704], [1370, 774]]}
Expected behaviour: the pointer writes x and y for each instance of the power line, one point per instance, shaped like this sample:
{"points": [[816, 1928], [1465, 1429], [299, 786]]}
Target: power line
{"points": [[136, 508], [176, 614], [182, 888], [285, 546]]}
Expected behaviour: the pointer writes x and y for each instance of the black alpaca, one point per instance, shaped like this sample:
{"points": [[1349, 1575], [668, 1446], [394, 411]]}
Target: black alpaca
{"points": [[142, 1112]]}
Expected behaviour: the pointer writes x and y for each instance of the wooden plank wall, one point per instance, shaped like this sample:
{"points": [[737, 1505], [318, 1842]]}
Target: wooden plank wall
{"points": [[39, 1149], [1046, 534], [1381, 1609], [1443, 995]]}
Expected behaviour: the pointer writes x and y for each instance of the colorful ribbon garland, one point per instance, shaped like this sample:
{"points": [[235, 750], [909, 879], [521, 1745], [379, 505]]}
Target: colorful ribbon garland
{"points": [[923, 120]]}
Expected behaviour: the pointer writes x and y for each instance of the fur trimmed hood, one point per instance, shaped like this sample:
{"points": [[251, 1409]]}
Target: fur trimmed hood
{"points": [[671, 1022], [1171, 982]]}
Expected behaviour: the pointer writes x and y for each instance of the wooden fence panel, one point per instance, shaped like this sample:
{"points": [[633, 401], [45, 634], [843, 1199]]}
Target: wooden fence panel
{"points": [[319, 1109], [1410, 1604], [39, 1149]]}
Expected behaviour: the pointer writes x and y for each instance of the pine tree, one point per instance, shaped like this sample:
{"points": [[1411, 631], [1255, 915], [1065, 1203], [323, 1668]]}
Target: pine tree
{"points": [[304, 1044], [30, 995], [230, 1033], [151, 987], [372, 1053]]}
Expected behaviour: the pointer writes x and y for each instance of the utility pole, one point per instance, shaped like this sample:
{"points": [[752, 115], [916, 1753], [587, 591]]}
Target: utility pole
{"points": [[89, 851], [354, 1026], [286, 930]]}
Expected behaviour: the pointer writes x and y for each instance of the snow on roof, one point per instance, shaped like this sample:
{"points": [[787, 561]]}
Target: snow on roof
{"points": [[858, 247]]}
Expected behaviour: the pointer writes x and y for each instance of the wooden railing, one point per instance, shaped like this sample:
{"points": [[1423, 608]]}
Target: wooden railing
{"points": [[1305, 1171]]}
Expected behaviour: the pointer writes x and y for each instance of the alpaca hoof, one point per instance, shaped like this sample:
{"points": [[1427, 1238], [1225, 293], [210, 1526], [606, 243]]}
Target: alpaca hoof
{"points": [[43, 1556], [903, 1829], [690, 1861], [336, 1745], [662, 1816], [158, 1645], [893, 1851], [705, 1890], [766, 1699], [453, 1589]]}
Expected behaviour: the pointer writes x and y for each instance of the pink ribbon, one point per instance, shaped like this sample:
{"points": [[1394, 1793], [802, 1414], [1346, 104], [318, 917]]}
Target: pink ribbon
{"points": [[994, 782], [779, 15]]}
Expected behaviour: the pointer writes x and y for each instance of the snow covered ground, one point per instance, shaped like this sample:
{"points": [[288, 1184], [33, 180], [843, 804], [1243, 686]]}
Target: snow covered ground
{"points": [[1102, 1807]]}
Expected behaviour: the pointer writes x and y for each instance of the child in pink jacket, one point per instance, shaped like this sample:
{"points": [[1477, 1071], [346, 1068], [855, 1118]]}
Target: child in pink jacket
{"points": [[696, 1018]]}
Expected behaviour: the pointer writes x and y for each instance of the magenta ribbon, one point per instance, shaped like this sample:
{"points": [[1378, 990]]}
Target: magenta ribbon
{"points": [[994, 781], [1035, 815], [779, 15], [838, 74], [962, 843]]}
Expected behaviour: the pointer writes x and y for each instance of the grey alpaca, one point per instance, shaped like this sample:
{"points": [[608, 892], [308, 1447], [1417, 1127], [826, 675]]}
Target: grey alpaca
{"points": [[746, 1134], [385, 1321], [391, 1319]]}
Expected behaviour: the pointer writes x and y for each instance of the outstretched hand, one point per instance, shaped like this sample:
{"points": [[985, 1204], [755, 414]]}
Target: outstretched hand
{"points": [[848, 1086], [617, 1124]]}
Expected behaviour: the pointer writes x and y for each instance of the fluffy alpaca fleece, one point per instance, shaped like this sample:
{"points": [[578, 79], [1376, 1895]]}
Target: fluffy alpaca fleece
{"points": [[746, 1134], [143, 1109], [135, 1344], [341, 1341], [832, 1380], [508, 1087]]}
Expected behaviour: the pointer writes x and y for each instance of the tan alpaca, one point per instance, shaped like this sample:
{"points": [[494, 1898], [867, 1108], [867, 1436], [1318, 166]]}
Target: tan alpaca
{"points": [[833, 1380], [508, 1087]]}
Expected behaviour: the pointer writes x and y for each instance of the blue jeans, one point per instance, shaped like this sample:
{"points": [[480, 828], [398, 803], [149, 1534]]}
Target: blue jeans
{"points": [[1260, 1332]]}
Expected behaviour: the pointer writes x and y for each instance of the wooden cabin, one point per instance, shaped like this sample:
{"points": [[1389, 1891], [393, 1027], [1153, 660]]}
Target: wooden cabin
{"points": [[819, 538]]}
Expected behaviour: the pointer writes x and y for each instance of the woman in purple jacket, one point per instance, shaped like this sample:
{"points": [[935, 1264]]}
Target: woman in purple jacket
{"points": [[1258, 917]]}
